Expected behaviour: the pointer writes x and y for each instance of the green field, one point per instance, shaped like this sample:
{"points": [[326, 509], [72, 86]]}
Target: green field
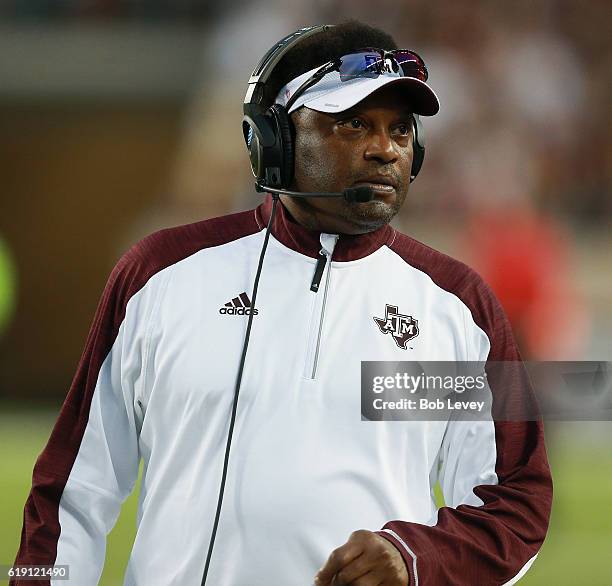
{"points": [[577, 549]]}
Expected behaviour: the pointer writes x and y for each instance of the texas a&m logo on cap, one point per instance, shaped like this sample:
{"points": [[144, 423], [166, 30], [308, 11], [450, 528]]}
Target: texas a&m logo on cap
{"points": [[401, 327]]}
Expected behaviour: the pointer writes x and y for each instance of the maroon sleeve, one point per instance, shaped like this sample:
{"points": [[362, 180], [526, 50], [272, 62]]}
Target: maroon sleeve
{"points": [[41, 527], [486, 544]]}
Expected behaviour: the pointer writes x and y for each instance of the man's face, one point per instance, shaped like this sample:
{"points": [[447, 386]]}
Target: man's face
{"points": [[370, 144]]}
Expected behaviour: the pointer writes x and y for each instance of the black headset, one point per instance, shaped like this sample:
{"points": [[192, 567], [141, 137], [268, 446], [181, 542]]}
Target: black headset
{"points": [[269, 133]]}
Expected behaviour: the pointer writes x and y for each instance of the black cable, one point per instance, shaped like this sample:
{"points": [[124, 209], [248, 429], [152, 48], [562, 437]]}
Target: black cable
{"points": [[237, 389]]}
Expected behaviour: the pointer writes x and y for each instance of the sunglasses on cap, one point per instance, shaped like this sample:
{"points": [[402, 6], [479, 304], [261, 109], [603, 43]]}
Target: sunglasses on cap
{"points": [[371, 62], [368, 62]]}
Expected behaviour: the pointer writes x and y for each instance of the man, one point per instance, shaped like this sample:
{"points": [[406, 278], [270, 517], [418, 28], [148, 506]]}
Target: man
{"points": [[313, 492]]}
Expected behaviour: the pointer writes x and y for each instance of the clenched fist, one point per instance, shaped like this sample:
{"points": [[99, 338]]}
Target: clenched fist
{"points": [[366, 559]]}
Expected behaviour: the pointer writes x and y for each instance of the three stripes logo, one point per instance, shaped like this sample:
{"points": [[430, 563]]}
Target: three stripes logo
{"points": [[240, 305]]}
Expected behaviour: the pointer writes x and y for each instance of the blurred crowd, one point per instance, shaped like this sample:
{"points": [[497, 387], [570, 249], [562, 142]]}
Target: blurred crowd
{"points": [[524, 85], [150, 10]]}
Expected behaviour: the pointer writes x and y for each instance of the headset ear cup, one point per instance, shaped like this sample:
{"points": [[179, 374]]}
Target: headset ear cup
{"points": [[418, 147], [260, 136], [286, 137], [253, 148]]}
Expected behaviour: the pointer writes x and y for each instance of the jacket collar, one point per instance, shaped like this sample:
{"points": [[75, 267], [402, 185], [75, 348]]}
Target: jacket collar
{"points": [[293, 235]]}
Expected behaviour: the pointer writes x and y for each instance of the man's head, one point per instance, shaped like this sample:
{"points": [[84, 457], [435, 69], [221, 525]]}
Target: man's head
{"points": [[369, 140]]}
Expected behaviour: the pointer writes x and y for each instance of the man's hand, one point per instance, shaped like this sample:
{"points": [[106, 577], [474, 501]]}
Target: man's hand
{"points": [[366, 559]]}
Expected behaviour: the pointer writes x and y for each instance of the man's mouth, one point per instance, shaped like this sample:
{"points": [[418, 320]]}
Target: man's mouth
{"points": [[384, 185]]}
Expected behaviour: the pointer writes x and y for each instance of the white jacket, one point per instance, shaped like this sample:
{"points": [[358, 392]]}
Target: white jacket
{"points": [[156, 383]]}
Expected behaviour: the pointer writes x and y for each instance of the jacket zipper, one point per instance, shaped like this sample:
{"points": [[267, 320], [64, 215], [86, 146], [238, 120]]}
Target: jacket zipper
{"points": [[321, 262], [328, 242]]}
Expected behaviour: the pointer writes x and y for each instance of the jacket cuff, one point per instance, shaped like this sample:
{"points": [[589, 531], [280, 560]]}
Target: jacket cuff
{"points": [[408, 555]]}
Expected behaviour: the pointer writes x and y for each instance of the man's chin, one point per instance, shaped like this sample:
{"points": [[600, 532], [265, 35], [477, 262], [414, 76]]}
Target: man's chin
{"points": [[372, 214]]}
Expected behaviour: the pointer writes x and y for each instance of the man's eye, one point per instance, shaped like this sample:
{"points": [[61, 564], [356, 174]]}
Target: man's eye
{"points": [[353, 123], [404, 129]]}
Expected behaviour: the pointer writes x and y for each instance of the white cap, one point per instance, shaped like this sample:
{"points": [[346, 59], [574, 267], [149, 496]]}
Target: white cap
{"points": [[332, 95]]}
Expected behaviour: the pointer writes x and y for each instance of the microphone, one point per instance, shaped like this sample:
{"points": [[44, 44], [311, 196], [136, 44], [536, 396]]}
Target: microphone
{"points": [[359, 194]]}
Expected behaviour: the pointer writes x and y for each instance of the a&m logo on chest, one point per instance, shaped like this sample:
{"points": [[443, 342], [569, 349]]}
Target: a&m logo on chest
{"points": [[402, 327]]}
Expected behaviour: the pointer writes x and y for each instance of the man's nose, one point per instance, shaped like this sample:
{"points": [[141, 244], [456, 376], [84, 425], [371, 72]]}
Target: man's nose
{"points": [[381, 146]]}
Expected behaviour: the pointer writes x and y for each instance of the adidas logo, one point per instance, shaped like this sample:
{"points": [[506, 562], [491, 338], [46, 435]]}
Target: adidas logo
{"points": [[240, 305]]}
